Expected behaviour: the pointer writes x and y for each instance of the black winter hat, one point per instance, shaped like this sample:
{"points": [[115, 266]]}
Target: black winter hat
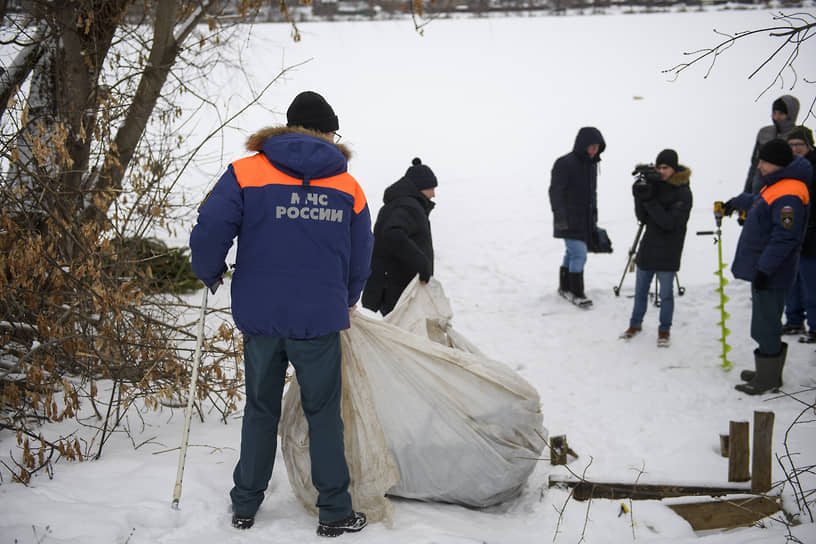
{"points": [[776, 152], [667, 157], [779, 105], [421, 176], [310, 110], [801, 133]]}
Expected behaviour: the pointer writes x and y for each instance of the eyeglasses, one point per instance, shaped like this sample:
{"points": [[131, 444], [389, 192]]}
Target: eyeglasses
{"points": [[337, 137], [797, 144]]}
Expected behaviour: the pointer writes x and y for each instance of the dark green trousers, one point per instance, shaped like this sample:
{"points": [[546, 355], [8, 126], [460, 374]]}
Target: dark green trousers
{"points": [[318, 370]]}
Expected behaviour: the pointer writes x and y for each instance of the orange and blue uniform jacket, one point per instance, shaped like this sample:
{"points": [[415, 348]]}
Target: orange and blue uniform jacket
{"points": [[774, 228], [304, 237]]}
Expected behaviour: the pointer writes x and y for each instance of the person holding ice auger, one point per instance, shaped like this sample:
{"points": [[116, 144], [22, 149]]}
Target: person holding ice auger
{"points": [[767, 255], [304, 250]]}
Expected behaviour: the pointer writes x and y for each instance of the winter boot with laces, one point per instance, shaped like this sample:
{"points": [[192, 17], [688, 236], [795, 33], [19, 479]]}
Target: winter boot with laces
{"points": [[630, 332], [809, 338], [663, 339], [789, 329], [768, 374], [242, 522], [352, 524]]}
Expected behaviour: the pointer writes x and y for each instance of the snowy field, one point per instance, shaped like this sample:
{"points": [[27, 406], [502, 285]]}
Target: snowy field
{"points": [[489, 104]]}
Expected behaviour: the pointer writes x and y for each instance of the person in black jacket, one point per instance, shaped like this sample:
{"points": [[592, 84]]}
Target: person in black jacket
{"points": [[663, 206], [801, 302], [403, 246], [574, 203]]}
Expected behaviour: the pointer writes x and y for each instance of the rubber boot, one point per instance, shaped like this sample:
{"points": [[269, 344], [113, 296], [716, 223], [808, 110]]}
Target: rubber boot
{"points": [[563, 282], [576, 287], [748, 375], [768, 375]]}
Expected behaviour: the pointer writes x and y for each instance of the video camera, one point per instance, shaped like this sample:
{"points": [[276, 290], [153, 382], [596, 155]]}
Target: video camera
{"points": [[645, 177]]}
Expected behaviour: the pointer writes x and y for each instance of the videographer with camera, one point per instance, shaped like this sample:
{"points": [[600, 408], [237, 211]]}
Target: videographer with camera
{"points": [[662, 203], [768, 255]]}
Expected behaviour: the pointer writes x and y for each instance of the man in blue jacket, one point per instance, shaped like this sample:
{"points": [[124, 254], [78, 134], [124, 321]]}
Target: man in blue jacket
{"points": [[768, 254], [304, 248]]}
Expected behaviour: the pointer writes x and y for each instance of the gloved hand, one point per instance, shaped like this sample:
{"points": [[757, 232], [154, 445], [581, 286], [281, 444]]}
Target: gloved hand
{"points": [[741, 218], [561, 222], [728, 208], [760, 281], [213, 287], [643, 190]]}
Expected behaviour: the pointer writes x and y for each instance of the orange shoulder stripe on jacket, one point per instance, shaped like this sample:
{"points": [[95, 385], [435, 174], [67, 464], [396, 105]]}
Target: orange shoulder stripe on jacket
{"points": [[784, 187], [256, 171]]}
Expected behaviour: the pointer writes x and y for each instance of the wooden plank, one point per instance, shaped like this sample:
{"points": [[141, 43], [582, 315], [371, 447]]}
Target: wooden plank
{"points": [[762, 457], [738, 452], [583, 490], [726, 514]]}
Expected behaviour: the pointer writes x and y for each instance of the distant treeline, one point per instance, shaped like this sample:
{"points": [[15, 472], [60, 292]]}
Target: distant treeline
{"points": [[336, 10]]}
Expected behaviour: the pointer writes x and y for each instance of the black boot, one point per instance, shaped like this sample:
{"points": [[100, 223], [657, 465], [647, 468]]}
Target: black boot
{"points": [[768, 375], [563, 282], [576, 287]]}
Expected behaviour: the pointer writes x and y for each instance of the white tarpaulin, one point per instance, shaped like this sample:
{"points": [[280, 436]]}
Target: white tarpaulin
{"points": [[430, 420]]}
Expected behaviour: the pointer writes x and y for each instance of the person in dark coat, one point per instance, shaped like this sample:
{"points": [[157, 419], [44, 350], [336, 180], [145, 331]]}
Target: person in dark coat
{"points": [[574, 203], [403, 246], [784, 111], [304, 249], [663, 207], [768, 255], [801, 302]]}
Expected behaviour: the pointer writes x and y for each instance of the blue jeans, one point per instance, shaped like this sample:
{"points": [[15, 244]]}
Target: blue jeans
{"points": [[766, 319], [643, 282], [576, 255], [801, 301], [318, 371]]}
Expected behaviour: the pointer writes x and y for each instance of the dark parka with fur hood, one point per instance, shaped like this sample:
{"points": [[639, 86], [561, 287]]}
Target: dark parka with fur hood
{"points": [[403, 246], [573, 195], [664, 216]]}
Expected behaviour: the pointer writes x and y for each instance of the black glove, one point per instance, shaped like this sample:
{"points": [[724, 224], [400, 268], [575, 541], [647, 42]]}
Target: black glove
{"points": [[642, 190], [760, 280], [217, 283], [728, 208]]}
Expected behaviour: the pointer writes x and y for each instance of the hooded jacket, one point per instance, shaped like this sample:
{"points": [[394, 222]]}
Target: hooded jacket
{"points": [[665, 216], [774, 228], [809, 245], [403, 245], [573, 194], [779, 129], [304, 235]]}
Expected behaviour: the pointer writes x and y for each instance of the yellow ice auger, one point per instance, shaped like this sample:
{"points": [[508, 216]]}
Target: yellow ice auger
{"points": [[718, 215]]}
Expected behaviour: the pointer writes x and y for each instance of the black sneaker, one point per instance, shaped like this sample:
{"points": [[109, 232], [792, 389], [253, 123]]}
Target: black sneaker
{"points": [[793, 329], [355, 522], [809, 338], [242, 522]]}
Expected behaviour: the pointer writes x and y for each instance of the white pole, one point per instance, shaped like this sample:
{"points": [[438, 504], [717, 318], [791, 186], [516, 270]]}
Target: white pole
{"points": [[190, 398]]}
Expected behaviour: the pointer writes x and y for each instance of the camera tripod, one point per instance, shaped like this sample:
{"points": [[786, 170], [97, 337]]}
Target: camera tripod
{"points": [[630, 267]]}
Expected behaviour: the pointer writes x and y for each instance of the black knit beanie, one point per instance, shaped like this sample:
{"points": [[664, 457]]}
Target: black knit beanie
{"points": [[776, 152], [667, 157], [779, 105], [421, 176], [310, 110], [801, 133]]}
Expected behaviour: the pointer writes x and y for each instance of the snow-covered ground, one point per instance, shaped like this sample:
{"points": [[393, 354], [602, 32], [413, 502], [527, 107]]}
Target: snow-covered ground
{"points": [[489, 104]]}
